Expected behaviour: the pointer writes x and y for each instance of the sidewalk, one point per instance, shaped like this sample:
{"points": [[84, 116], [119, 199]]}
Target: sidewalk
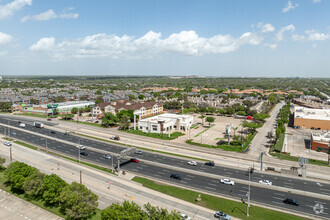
{"points": [[121, 188]]}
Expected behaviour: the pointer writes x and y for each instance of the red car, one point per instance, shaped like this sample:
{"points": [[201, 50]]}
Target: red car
{"points": [[49, 119], [19, 122], [134, 160]]}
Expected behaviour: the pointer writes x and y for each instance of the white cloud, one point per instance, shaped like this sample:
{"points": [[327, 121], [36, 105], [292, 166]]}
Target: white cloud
{"points": [[311, 35], [44, 44], [290, 28], [317, 1], [50, 14], [5, 38], [9, 9], [289, 7], [266, 27], [271, 46], [149, 45]]}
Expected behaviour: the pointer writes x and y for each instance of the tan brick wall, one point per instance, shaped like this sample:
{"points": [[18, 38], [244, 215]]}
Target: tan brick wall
{"points": [[309, 123]]}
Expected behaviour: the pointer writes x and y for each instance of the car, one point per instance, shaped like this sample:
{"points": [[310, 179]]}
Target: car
{"points": [[49, 119], [81, 147], [84, 153], [312, 128], [13, 133], [176, 176], [184, 216], [115, 137], [106, 156], [134, 160], [222, 215], [19, 122], [96, 122], [138, 152], [66, 133], [227, 182], [192, 163], [291, 201], [22, 125], [318, 129], [52, 132], [210, 163], [7, 143], [265, 182]]}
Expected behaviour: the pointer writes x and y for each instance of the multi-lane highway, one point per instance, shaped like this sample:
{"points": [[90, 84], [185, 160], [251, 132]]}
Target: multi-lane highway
{"points": [[268, 197]]}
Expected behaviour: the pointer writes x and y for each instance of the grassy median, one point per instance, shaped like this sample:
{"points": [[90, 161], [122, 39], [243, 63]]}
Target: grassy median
{"points": [[233, 208]]}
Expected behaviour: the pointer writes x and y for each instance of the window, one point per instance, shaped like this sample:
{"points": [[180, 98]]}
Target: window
{"points": [[154, 129], [141, 128]]}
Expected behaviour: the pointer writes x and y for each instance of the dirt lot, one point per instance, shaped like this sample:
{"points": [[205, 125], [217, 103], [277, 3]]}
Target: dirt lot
{"points": [[215, 134]]}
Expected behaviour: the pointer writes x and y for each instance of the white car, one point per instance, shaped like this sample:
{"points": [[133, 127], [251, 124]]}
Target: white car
{"points": [[22, 125], [227, 181], [7, 143], [81, 147], [266, 182], [192, 163], [185, 217]]}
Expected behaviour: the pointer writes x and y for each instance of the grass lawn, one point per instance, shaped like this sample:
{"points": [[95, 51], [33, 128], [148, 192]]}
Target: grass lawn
{"points": [[237, 148], [155, 135], [279, 144], [230, 207], [32, 115], [287, 156], [85, 123], [26, 145]]}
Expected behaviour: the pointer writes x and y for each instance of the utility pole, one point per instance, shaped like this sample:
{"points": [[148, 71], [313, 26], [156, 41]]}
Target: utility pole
{"points": [[80, 178], [10, 154], [250, 170]]}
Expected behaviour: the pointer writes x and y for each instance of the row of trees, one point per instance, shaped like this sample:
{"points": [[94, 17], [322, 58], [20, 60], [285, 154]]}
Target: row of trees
{"points": [[123, 118], [282, 119], [75, 200], [5, 106]]}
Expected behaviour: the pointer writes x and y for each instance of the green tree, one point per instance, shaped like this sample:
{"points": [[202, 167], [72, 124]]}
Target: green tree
{"points": [[128, 210], [33, 101], [67, 116], [55, 111], [99, 100], [78, 201], [211, 109], [202, 117], [5, 106], [74, 110], [2, 161], [141, 97], [124, 122], [230, 111], [222, 111], [109, 119], [241, 113], [52, 186], [33, 184], [260, 117], [17, 173], [131, 97], [98, 92], [210, 120], [155, 213], [82, 98]]}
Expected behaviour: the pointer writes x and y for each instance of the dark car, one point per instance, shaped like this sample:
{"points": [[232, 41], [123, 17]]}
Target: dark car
{"points": [[291, 201], [52, 132], [49, 119], [176, 176], [96, 122], [84, 153], [210, 163], [134, 160], [115, 138], [66, 133], [19, 122]]}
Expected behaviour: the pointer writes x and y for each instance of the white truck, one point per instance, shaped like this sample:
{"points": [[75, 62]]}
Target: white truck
{"points": [[38, 124]]}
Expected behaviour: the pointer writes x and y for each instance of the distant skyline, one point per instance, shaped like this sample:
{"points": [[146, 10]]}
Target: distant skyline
{"points": [[222, 38]]}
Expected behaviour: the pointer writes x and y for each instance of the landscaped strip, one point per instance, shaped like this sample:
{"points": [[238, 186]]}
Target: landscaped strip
{"points": [[233, 208], [174, 135], [85, 123], [287, 156], [236, 148], [26, 145], [203, 131], [279, 144]]}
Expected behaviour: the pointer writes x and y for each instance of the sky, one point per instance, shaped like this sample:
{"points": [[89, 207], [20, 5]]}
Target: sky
{"points": [[222, 38]]}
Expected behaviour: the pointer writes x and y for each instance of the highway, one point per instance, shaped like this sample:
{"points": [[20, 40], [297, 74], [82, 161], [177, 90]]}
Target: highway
{"points": [[264, 196]]}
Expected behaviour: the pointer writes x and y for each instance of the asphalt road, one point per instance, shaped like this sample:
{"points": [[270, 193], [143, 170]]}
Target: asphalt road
{"points": [[290, 183], [264, 196]]}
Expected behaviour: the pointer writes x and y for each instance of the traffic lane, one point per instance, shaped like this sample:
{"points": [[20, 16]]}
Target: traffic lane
{"points": [[217, 170], [267, 197]]}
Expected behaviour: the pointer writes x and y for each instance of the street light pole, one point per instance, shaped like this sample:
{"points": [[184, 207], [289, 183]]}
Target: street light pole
{"points": [[248, 206]]}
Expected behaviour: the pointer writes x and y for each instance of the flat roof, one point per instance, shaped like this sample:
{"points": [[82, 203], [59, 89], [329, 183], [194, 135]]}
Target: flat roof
{"points": [[309, 113], [325, 137]]}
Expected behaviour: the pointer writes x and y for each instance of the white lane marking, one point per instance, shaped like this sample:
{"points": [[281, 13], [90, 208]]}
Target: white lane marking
{"points": [[139, 168], [136, 170], [279, 194], [288, 183], [278, 198], [157, 175], [242, 195], [229, 173], [183, 181], [280, 203], [190, 175], [97, 160], [215, 181], [187, 179], [324, 189], [143, 165], [290, 180], [211, 184], [161, 173], [166, 171], [209, 188], [321, 202], [242, 191]]}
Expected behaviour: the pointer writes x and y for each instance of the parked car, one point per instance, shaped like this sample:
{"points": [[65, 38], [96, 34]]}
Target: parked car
{"points": [[227, 182], [312, 128], [84, 153], [115, 138], [222, 215], [52, 132], [49, 119], [210, 163], [265, 182], [176, 176], [134, 160], [291, 201], [13, 133], [19, 122], [81, 147], [192, 163], [138, 152], [7, 143], [106, 156], [66, 133], [22, 125], [96, 122], [184, 216]]}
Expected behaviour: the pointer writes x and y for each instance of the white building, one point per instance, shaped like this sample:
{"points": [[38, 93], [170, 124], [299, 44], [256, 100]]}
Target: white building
{"points": [[166, 123]]}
